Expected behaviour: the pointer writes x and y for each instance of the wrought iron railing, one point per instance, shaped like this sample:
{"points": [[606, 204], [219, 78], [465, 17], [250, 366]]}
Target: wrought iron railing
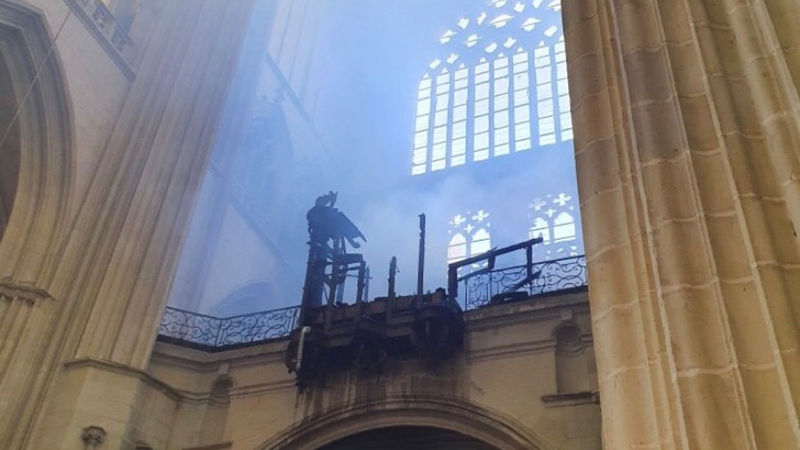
{"points": [[476, 290], [554, 276], [207, 331]]}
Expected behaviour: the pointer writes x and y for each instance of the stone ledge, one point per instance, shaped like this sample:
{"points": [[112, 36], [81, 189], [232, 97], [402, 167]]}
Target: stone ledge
{"points": [[535, 310], [219, 446], [571, 399], [524, 311], [122, 369]]}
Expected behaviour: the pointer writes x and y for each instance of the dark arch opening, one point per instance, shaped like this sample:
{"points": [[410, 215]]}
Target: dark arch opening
{"points": [[409, 411], [9, 145], [408, 438]]}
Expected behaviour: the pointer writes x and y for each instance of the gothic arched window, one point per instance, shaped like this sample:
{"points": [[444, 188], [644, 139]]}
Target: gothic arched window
{"points": [[124, 11], [500, 88], [471, 236], [563, 228], [258, 166], [540, 229], [481, 242], [553, 219], [457, 248]]}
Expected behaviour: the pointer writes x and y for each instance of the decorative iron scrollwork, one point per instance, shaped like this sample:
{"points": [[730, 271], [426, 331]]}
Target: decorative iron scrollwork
{"points": [[260, 326], [199, 329], [182, 326], [557, 275]]}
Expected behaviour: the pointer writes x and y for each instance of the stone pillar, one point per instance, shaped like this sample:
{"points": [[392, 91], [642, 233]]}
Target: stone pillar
{"points": [[79, 360], [687, 130]]}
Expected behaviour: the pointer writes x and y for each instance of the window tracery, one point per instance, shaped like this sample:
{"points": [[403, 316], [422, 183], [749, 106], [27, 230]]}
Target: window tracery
{"points": [[470, 235], [552, 218], [255, 174], [501, 88]]}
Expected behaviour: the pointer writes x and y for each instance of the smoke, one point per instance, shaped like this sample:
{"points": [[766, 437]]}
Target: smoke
{"points": [[390, 221], [372, 55]]}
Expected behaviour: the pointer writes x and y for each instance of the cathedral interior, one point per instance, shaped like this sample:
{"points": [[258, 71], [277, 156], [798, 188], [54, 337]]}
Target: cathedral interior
{"points": [[358, 224]]}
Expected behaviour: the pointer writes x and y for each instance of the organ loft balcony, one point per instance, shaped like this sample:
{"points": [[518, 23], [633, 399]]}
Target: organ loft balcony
{"points": [[502, 309]]}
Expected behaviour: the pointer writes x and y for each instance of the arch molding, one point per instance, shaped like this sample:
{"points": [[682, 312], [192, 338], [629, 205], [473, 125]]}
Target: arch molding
{"points": [[45, 126], [489, 426]]}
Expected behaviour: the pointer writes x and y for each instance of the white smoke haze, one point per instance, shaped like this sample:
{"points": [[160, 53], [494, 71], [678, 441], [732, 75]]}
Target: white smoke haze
{"points": [[357, 142]]}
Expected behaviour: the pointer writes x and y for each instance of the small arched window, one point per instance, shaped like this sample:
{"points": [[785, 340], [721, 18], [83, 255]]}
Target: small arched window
{"points": [[563, 228], [470, 236], [553, 219], [540, 229], [457, 249], [481, 242]]}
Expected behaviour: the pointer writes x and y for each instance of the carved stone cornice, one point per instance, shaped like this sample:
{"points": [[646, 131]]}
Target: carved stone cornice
{"points": [[571, 399], [11, 290], [107, 31]]}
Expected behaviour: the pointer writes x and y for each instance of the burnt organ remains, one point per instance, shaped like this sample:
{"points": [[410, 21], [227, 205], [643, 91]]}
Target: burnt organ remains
{"points": [[333, 334]]}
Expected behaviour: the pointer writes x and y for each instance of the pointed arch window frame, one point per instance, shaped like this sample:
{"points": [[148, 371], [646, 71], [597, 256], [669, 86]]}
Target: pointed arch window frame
{"points": [[470, 233], [555, 219], [495, 126]]}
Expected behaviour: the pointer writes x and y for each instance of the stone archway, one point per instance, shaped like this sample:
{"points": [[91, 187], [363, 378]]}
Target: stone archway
{"points": [[472, 422], [403, 438], [36, 159]]}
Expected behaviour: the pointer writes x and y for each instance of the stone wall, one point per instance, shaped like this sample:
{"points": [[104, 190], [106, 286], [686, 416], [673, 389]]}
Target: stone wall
{"points": [[501, 389], [114, 135]]}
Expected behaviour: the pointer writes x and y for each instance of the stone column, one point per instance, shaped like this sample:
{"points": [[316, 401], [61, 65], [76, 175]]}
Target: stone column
{"points": [[687, 130]]}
